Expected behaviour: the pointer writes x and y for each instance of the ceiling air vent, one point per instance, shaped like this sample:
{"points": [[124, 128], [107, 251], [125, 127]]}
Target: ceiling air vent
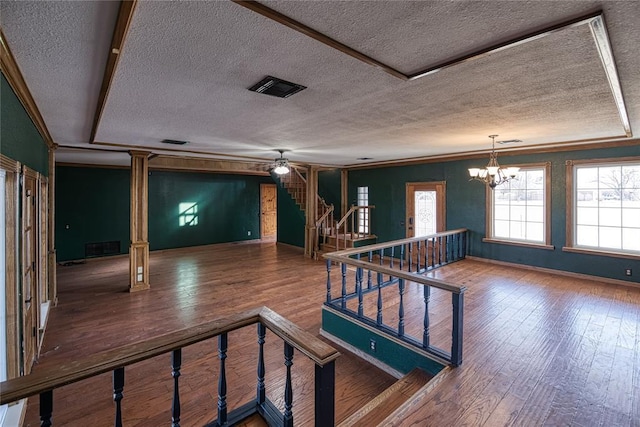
{"points": [[174, 142], [509, 141], [276, 87]]}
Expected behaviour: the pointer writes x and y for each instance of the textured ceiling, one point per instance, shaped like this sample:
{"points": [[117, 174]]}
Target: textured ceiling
{"points": [[185, 68]]}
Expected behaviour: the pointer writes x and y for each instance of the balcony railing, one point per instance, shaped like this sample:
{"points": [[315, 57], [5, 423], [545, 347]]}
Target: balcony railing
{"points": [[380, 275], [43, 382]]}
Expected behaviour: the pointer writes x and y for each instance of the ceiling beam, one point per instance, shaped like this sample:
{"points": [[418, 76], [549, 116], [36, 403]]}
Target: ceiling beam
{"points": [[14, 76], [322, 38], [125, 14]]}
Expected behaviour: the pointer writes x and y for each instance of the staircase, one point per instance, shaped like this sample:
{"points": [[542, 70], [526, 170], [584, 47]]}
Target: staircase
{"points": [[386, 407], [352, 230]]}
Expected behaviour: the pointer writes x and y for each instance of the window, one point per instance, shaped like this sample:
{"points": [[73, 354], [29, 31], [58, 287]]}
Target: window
{"points": [[603, 199], [363, 214], [519, 210], [188, 214]]}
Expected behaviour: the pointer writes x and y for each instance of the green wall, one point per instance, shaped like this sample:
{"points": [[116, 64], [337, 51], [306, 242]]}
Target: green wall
{"points": [[19, 138], [387, 351], [92, 205], [291, 219], [228, 208], [329, 189], [466, 209], [94, 202]]}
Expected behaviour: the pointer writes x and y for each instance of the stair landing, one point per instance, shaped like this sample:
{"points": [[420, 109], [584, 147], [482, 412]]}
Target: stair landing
{"points": [[388, 401]]}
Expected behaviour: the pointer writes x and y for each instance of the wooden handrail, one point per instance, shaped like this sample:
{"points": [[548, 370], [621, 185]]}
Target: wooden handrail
{"points": [[324, 216], [48, 379], [377, 246], [344, 257]]}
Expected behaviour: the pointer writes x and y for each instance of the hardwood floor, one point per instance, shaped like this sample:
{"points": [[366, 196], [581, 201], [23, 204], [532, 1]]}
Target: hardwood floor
{"points": [[539, 349]]}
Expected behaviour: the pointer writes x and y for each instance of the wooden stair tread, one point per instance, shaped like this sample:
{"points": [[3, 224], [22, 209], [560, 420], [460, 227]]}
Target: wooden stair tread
{"points": [[389, 400], [253, 421]]}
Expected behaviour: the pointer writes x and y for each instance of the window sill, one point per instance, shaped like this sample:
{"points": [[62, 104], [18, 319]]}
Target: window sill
{"points": [[518, 243], [600, 252]]}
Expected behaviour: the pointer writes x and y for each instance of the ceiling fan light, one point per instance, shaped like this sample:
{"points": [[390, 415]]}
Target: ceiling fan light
{"points": [[281, 166]]}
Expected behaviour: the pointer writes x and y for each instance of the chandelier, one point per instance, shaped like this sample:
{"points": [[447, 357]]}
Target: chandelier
{"points": [[281, 165], [493, 175]]}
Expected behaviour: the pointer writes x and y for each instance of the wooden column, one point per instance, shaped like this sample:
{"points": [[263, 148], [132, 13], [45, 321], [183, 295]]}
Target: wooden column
{"points": [[311, 211], [51, 244], [139, 249], [344, 192]]}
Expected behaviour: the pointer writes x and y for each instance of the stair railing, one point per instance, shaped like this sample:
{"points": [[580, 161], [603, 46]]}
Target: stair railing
{"points": [[324, 224], [350, 225], [44, 381], [398, 264]]}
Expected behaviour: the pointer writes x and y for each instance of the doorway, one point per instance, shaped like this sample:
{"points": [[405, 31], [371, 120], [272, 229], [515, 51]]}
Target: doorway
{"points": [[425, 215], [268, 211]]}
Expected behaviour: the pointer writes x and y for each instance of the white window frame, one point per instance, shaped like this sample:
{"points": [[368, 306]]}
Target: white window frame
{"points": [[490, 194], [572, 167], [362, 199]]}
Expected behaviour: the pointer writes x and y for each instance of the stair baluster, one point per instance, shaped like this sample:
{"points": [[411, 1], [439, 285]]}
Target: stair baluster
{"points": [[176, 362], [260, 392], [434, 246], [410, 255], [46, 408], [359, 272], [401, 308], [222, 380], [369, 271], [344, 285], [118, 386], [288, 390], [379, 315], [328, 281], [425, 333]]}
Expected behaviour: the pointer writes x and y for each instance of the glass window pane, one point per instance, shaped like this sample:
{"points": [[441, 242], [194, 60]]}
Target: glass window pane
{"points": [[631, 239], [501, 212], [535, 179], [517, 230], [631, 217], [587, 235], [586, 178], [587, 216], [611, 217], [517, 212], [535, 231], [535, 213], [501, 229], [610, 177], [587, 198], [610, 237]]}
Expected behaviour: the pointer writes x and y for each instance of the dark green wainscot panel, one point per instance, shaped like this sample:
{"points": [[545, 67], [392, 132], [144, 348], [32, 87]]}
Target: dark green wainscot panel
{"points": [[387, 351]]}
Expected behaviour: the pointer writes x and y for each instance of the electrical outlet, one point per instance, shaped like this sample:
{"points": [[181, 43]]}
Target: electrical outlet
{"points": [[627, 272], [372, 344], [248, 233]]}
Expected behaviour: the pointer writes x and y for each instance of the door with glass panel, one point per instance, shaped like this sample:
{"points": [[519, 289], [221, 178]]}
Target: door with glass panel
{"points": [[425, 215]]}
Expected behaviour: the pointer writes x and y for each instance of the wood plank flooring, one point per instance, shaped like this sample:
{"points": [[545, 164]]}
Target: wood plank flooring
{"points": [[539, 349]]}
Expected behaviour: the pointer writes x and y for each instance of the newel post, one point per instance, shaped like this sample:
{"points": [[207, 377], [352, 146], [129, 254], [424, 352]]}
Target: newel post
{"points": [[456, 342], [325, 395]]}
